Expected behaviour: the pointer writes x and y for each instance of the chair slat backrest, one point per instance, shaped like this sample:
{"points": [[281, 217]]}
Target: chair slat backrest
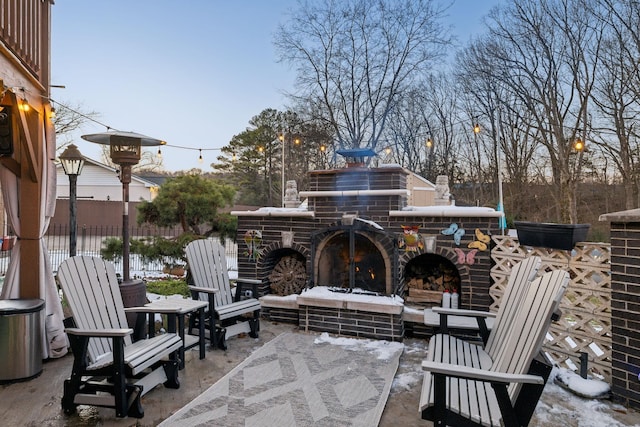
{"points": [[90, 286], [208, 267], [519, 279], [528, 329]]}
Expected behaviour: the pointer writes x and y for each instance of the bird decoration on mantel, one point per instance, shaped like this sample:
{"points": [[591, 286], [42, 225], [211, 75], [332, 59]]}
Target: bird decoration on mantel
{"points": [[411, 238]]}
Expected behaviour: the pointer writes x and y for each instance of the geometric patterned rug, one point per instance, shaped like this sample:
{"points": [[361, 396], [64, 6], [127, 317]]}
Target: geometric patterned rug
{"points": [[300, 379]]}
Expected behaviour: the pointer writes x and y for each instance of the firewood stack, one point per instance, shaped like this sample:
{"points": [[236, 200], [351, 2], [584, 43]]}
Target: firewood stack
{"points": [[426, 283]]}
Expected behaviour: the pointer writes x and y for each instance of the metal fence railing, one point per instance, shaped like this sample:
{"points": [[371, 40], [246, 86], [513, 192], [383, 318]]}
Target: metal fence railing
{"points": [[90, 241]]}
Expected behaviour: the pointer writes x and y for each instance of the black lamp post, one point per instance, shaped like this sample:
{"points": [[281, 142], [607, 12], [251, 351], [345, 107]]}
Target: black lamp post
{"points": [[72, 162], [125, 150]]}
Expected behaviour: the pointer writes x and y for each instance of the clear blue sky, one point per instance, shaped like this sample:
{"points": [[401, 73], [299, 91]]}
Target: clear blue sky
{"points": [[190, 72]]}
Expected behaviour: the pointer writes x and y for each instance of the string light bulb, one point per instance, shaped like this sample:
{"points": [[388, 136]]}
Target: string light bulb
{"points": [[281, 136], [429, 143], [159, 153], [52, 113], [24, 105], [297, 141], [260, 149], [233, 157], [578, 145], [200, 160], [323, 148], [387, 150], [476, 128]]}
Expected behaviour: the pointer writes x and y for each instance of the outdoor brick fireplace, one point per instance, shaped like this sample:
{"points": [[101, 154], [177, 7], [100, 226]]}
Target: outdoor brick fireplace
{"points": [[355, 234]]}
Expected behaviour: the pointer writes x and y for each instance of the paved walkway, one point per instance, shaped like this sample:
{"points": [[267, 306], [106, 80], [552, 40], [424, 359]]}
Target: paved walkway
{"points": [[37, 402]]}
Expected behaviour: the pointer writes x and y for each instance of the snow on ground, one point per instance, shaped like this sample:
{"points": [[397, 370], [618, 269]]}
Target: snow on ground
{"points": [[383, 349], [585, 387], [559, 404]]}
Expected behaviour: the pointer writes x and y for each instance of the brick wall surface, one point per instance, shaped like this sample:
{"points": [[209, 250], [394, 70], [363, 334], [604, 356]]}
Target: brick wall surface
{"points": [[625, 311]]}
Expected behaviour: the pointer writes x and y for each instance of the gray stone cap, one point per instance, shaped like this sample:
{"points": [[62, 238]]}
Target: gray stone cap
{"points": [[631, 215]]}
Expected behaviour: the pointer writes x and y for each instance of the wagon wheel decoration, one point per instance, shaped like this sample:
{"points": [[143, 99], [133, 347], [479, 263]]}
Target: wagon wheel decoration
{"points": [[288, 277]]}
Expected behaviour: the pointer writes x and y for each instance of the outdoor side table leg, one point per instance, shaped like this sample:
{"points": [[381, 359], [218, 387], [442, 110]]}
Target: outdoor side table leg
{"points": [[181, 333], [201, 332]]}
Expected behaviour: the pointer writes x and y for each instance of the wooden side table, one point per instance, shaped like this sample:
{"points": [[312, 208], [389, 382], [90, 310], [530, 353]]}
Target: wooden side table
{"points": [[184, 306]]}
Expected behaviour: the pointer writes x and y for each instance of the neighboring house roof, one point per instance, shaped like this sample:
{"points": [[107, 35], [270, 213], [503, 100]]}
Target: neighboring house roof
{"points": [[87, 161], [156, 179], [98, 181]]}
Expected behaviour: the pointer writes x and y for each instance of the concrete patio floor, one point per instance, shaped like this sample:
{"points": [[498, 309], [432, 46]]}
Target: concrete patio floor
{"points": [[37, 402]]}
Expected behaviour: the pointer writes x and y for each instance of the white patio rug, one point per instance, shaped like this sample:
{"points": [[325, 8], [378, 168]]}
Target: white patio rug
{"points": [[300, 380]]}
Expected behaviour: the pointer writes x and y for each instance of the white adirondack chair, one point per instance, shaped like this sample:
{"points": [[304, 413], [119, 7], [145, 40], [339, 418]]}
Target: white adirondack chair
{"points": [[227, 315], [108, 368], [483, 321], [499, 385]]}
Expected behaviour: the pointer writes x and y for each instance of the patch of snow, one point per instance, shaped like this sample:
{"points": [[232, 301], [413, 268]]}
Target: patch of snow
{"points": [[371, 223], [407, 380], [585, 413], [270, 209], [325, 293], [383, 349], [585, 387], [291, 297], [438, 209], [411, 310]]}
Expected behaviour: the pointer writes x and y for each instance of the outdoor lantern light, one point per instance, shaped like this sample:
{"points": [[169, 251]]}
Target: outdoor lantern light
{"points": [[578, 145], [72, 162]]}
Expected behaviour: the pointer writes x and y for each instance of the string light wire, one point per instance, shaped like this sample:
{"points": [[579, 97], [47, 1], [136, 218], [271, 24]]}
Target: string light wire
{"points": [[159, 154]]}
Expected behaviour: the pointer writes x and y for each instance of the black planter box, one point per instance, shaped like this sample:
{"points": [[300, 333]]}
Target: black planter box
{"points": [[550, 235]]}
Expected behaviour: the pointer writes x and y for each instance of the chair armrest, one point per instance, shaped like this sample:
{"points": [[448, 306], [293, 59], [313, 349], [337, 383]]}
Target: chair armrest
{"points": [[102, 333], [203, 290], [461, 312], [151, 309], [459, 371]]}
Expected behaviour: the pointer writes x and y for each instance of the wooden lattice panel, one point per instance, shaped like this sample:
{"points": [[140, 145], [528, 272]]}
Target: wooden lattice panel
{"points": [[585, 325]]}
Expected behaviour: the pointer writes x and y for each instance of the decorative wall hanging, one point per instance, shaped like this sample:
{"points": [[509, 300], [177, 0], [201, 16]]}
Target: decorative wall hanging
{"points": [[469, 258], [449, 231], [411, 240], [481, 242], [253, 240], [457, 236], [455, 231]]}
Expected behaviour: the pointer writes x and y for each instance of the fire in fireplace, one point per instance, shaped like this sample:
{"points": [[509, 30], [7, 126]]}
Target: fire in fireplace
{"points": [[354, 255], [364, 270]]}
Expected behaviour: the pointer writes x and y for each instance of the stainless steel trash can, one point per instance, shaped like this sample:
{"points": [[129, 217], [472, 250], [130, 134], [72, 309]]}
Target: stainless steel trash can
{"points": [[20, 339]]}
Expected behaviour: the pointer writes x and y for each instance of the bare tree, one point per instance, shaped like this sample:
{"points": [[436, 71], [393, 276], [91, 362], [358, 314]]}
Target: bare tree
{"points": [[356, 58], [545, 53], [617, 94]]}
